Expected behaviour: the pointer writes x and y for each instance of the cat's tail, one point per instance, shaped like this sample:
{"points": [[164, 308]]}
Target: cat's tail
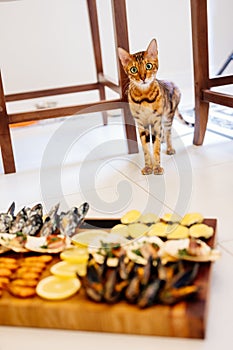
{"points": [[182, 120]]}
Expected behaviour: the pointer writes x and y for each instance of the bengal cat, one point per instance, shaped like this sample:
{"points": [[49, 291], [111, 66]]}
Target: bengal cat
{"points": [[153, 104]]}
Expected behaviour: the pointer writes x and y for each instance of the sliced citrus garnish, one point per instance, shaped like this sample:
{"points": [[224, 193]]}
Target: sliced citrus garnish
{"points": [[57, 288], [76, 255], [65, 269], [149, 218], [120, 229], [137, 230], [171, 218], [130, 217], [160, 229], [191, 218], [90, 238], [201, 230], [178, 232]]}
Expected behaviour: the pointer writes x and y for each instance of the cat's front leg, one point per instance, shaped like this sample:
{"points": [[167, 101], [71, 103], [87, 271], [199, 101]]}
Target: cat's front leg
{"points": [[157, 169], [156, 140], [145, 141]]}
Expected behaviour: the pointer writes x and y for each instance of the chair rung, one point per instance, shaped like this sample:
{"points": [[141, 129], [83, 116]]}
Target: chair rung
{"points": [[217, 97]]}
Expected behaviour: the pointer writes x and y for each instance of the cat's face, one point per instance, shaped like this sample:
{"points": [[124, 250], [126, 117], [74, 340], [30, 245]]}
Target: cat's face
{"points": [[141, 67]]}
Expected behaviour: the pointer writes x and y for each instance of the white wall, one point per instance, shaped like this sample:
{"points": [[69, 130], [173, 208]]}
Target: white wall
{"points": [[46, 43], [220, 34]]}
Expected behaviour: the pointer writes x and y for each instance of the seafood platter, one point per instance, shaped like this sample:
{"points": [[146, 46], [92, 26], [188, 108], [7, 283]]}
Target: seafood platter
{"points": [[138, 274]]}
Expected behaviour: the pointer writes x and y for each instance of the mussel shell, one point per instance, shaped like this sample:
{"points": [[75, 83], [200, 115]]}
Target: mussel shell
{"points": [[186, 277], [149, 295]]}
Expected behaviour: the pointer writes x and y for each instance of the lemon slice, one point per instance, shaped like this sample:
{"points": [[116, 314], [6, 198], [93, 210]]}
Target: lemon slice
{"points": [[90, 238], [178, 232], [65, 269], [130, 217], [171, 218], [149, 218], [76, 255], [120, 229], [191, 218], [115, 238], [57, 288], [137, 230], [160, 229], [201, 230]]}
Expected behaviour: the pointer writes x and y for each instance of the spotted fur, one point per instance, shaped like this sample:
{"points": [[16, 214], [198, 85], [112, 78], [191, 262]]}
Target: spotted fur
{"points": [[153, 104]]}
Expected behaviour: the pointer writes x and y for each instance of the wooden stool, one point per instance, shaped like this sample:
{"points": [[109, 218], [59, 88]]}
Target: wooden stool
{"points": [[203, 83], [121, 39]]}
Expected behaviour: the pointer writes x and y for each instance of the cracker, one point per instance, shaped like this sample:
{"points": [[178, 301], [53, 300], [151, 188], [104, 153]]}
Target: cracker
{"points": [[21, 291], [4, 281], [24, 283], [5, 272]]}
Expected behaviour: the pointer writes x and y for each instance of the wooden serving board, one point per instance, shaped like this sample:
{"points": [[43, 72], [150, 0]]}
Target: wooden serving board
{"points": [[186, 319]]}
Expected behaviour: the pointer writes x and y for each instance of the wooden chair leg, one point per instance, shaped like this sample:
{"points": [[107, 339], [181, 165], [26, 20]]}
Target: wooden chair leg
{"points": [[103, 97], [94, 24], [201, 119], [121, 40], [201, 66], [5, 137]]}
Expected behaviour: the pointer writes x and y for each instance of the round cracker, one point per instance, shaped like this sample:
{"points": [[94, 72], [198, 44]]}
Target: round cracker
{"points": [[24, 283], [4, 281], [24, 269], [38, 264], [27, 275], [21, 291], [10, 266], [5, 272], [45, 258], [8, 260]]}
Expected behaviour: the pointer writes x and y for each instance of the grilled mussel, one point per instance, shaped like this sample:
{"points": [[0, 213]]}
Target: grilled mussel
{"points": [[112, 275]]}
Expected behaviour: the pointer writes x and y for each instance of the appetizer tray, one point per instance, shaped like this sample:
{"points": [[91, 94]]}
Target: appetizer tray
{"points": [[186, 319]]}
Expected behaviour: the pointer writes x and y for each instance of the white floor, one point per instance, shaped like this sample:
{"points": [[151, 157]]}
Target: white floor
{"points": [[78, 159]]}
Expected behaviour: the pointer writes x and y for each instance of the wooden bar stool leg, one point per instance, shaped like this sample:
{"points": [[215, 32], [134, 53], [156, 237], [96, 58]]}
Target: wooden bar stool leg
{"points": [[201, 66], [5, 137], [93, 18], [121, 40]]}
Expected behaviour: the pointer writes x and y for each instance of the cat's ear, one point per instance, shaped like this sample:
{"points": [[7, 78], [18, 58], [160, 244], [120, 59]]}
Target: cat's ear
{"points": [[152, 50], [124, 56]]}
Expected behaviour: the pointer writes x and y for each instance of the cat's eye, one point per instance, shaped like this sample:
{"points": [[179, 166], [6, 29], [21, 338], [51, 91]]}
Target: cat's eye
{"points": [[133, 70], [149, 66]]}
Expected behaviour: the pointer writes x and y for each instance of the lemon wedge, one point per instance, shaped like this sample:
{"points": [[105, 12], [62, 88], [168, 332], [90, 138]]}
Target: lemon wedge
{"points": [[76, 255], [178, 232], [171, 218], [201, 230], [191, 218], [149, 218], [90, 238], [130, 217], [57, 288], [65, 269], [120, 229], [160, 229], [136, 230]]}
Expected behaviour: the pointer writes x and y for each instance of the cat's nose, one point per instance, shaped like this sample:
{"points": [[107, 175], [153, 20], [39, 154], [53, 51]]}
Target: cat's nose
{"points": [[143, 78]]}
